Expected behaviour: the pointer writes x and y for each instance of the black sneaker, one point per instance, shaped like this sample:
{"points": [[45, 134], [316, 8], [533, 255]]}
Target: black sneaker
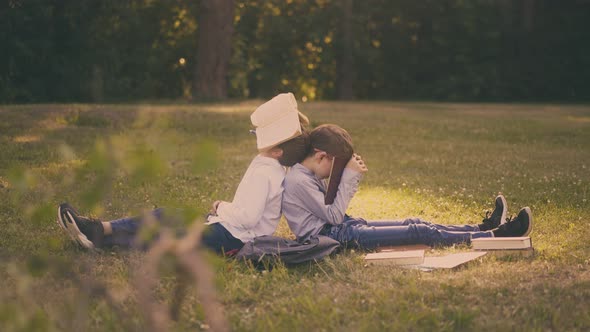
{"points": [[519, 226], [87, 232], [496, 218]]}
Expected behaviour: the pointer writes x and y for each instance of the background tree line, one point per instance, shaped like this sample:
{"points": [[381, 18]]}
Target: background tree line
{"points": [[108, 50]]}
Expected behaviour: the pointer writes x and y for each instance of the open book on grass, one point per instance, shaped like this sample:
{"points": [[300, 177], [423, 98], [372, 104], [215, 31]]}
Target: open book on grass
{"points": [[502, 243], [415, 259], [450, 261]]}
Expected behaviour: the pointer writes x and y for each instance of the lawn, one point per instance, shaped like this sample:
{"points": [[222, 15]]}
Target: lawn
{"points": [[442, 162]]}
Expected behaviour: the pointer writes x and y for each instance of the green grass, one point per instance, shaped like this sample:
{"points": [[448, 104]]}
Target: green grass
{"points": [[442, 162]]}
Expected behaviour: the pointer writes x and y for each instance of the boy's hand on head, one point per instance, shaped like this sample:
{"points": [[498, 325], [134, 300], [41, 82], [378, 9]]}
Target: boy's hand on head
{"points": [[356, 163]]}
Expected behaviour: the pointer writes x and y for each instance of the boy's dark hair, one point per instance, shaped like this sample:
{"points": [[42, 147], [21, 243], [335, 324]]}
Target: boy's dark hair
{"points": [[295, 149], [332, 139]]}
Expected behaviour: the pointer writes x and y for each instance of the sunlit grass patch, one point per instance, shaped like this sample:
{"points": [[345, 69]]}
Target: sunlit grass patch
{"points": [[583, 119], [26, 139], [379, 203]]}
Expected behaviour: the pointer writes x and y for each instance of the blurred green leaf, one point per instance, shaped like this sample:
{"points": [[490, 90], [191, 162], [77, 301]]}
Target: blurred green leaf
{"points": [[206, 156], [148, 233], [42, 213], [97, 175], [20, 179], [66, 152], [191, 213], [7, 312], [37, 265], [38, 322], [146, 165]]}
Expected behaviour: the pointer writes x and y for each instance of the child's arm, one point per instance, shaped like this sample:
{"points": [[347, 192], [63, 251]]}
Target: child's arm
{"points": [[311, 198], [248, 205], [214, 206]]}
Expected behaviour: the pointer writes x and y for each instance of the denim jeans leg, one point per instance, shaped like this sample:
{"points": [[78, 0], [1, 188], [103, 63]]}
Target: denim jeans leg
{"points": [[414, 221], [371, 237], [217, 238], [125, 230]]}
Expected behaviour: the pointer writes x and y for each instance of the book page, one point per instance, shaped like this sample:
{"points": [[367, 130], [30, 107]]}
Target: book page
{"points": [[450, 261]]}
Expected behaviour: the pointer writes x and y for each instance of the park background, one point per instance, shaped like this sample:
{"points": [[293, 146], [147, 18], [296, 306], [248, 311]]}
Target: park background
{"points": [[121, 106], [482, 50]]}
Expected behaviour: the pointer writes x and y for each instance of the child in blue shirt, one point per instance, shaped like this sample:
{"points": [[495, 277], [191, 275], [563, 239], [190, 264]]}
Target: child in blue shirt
{"points": [[308, 215]]}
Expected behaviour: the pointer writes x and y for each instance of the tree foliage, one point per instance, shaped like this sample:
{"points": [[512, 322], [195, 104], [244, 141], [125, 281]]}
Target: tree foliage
{"points": [[107, 50]]}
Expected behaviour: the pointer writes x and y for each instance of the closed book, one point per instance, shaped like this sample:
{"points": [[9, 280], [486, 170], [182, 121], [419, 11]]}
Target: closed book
{"points": [[404, 247], [502, 243], [409, 257]]}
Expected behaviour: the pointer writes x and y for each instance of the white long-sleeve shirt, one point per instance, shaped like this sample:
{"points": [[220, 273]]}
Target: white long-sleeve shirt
{"points": [[256, 207]]}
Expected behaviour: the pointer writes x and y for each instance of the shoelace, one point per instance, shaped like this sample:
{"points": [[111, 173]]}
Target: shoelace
{"points": [[89, 219], [487, 217]]}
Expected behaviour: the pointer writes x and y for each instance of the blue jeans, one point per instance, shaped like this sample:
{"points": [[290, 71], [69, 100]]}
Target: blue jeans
{"points": [[214, 237], [369, 235]]}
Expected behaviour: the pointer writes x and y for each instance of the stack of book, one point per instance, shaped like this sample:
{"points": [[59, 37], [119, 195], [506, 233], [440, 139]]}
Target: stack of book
{"points": [[413, 256], [522, 246]]}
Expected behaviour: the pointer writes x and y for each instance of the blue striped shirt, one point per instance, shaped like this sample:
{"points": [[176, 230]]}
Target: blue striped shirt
{"points": [[303, 200]]}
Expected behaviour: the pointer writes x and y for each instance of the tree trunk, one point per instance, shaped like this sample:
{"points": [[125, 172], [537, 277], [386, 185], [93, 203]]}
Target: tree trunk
{"points": [[345, 60], [214, 49], [528, 15]]}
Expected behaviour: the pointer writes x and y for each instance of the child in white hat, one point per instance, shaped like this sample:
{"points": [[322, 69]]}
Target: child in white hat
{"points": [[255, 210]]}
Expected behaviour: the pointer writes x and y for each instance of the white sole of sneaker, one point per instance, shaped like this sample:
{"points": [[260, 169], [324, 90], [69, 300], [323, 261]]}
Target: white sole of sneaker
{"points": [[530, 229], [76, 233], [61, 223]]}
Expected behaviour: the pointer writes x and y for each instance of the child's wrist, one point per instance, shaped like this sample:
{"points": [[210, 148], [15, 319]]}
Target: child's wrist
{"points": [[351, 174]]}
